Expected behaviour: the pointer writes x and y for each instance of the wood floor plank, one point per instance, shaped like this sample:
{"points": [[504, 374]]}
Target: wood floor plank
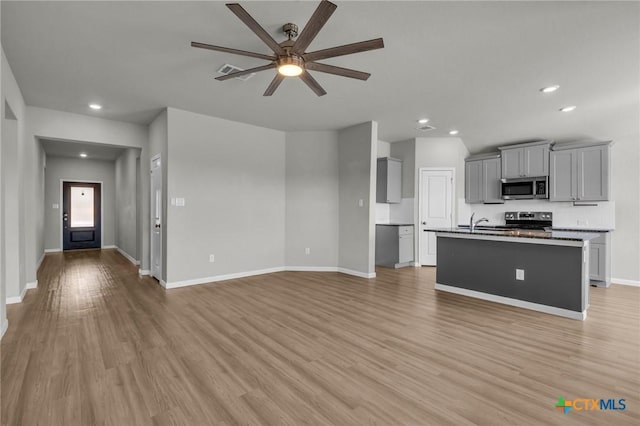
{"points": [[95, 344]]}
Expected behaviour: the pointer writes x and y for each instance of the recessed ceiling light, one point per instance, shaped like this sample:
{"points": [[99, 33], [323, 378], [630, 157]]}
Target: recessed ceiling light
{"points": [[550, 89], [568, 108], [423, 121], [453, 132], [83, 155], [95, 106]]}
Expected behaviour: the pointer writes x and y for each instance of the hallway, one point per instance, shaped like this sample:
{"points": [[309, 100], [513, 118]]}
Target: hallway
{"points": [[97, 344]]}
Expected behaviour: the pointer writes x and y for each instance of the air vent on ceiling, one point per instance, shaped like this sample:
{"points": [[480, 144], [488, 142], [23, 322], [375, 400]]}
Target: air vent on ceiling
{"points": [[228, 69], [425, 127]]}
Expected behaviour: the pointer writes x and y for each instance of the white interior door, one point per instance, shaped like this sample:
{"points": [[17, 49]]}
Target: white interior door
{"points": [[156, 218], [436, 209]]}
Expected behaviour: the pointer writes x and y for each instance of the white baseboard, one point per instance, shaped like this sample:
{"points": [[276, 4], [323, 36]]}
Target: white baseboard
{"points": [[17, 299], [621, 281], [129, 258], [143, 272], [177, 284], [31, 286], [311, 268], [39, 262], [357, 273], [163, 283], [55, 250], [109, 247], [329, 269], [514, 302], [5, 325], [417, 264], [215, 278]]}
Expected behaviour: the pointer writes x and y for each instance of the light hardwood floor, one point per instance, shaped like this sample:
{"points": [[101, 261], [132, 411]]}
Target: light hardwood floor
{"points": [[96, 344]]}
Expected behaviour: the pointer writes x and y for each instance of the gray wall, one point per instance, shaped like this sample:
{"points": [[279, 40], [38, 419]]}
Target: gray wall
{"points": [[14, 172], [406, 151], [383, 149], [76, 169], [126, 182], [3, 289], [625, 190], [357, 150], [311, 199], [232, 177], [11, 205]]}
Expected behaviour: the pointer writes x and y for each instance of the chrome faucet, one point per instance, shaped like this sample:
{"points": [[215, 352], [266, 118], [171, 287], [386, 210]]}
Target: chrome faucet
{"points": [[472, 224]]}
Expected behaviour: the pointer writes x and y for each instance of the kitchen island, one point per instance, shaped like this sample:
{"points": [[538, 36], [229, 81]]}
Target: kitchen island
{"points": [[546, 271]]}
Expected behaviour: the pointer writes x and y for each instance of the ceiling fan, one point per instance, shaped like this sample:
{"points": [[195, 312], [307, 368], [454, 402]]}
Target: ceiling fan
{"points": [[290, 57]]}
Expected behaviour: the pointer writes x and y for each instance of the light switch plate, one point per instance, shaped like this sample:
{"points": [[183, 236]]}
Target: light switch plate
{"points": [[180, 202], [55, 206], [520, 274]]}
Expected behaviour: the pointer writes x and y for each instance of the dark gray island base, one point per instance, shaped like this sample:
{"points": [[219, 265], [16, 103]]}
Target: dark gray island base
{"points": [[537, 272]]}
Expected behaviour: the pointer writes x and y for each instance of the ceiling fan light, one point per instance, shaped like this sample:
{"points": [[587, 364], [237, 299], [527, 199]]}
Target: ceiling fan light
{"points": [[290, 66]]}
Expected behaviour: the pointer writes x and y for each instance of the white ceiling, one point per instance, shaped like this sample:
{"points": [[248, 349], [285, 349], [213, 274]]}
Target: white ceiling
{"points": [[70, 149], [473, 66]]}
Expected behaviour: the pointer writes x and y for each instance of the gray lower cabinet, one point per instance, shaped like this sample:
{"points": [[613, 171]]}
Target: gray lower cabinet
{"points": [[394, 245], [600, 260], [580, 172], [389, 181], [525, 160], [482, 180]]}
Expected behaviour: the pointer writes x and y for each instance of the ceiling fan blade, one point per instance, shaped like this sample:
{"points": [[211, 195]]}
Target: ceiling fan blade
{"points": [[234, 51], [274, 84], [255, 27], [320, 17], [346, 49], [331, 69], [245, 72], [312, 83]]}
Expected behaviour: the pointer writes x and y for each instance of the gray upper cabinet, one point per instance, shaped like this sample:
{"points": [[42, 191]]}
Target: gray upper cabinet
{"points": [[563, 181], [525, 160], [580, 172], [482, 180], [512, 163], [473, 182], [491, 172], [389, 181], [593, 173]]}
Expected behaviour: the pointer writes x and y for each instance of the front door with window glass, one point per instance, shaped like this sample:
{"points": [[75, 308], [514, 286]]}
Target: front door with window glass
{"points": [[81, 221]]}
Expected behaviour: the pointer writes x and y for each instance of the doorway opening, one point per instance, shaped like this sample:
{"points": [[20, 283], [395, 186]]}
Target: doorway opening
{"points": [[81, 215], [157, 215]]}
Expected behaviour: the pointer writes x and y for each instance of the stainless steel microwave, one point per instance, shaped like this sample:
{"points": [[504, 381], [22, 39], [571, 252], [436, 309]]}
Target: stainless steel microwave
{"points": [[525, 188]]}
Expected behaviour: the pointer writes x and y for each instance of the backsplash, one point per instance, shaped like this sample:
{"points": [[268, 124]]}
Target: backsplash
{"points": [[565, 215], [395, 213]]}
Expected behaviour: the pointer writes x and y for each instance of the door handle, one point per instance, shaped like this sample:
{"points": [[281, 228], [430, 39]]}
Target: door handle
{"points": [[424, 223]]}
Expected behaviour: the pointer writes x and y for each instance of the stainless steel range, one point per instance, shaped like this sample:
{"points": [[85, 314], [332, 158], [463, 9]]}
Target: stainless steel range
{"points": [[528, 220]]}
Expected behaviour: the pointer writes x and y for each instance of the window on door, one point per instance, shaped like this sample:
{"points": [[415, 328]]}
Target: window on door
{"points": [[82, 205], [81, 215]]}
